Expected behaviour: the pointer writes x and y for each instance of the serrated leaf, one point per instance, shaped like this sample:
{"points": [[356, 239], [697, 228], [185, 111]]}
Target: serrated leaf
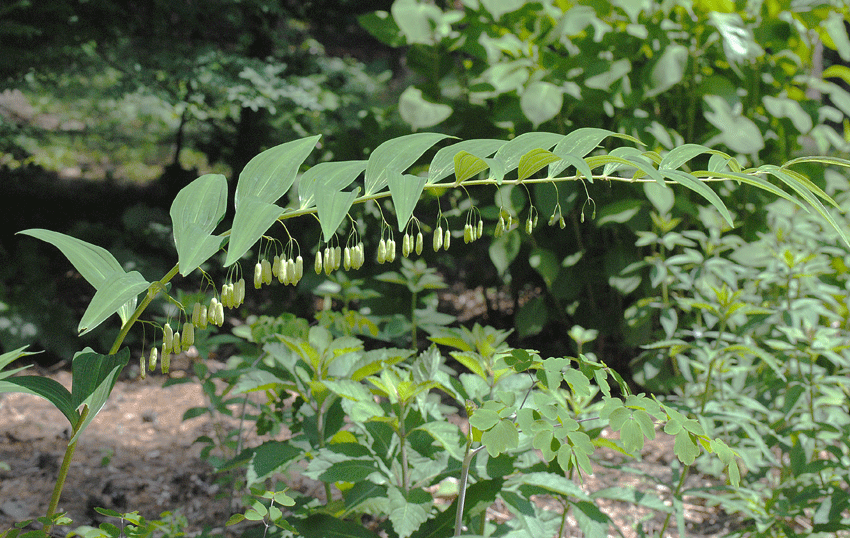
{"points": [[253, 218], [270, 174], [467, 165], [471, 360], [533, 161], [268, 458], [332, 207], [396, 155], [94, 263], [333, 175], [353, 470], [115, 292], [447, 435], [94, 377], [406, 514], [326, 526], [685, 447], [405, 191]]}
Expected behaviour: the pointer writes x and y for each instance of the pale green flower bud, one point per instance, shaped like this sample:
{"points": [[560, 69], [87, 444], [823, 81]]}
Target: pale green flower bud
{"points": [[447, 240], [267, 272], [142, 372], [467, 233], [258, 275], [153, 358], [166, 363], [196, 314], [318, 262], [178, 344], [405, 245], [346, 259], [438, 238], [219, 314], [390, 250], [276, 268], [240, 291], [188, 335], [299, 269], [480, 230], [202, 318], [168, 337], [420, 243], [382, 251]]}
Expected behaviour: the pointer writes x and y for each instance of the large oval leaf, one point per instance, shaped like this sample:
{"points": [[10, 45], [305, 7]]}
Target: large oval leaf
{"points": [[269, 175], [196, 211], [118, 289]]}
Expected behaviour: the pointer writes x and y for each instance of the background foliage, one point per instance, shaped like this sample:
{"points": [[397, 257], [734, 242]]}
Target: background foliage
{"points": [[739, 333]]}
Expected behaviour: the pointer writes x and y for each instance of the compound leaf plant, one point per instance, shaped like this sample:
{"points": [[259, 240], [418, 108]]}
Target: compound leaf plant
{"points": [[399, 441]]}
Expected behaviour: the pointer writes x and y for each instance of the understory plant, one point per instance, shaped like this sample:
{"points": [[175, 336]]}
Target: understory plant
{"points": [[372, 423], [754, 337]]}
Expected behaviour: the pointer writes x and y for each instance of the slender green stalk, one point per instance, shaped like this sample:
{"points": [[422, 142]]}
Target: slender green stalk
{"points": [[63, 470], [461, 491], [676, 493], [153, 291]]}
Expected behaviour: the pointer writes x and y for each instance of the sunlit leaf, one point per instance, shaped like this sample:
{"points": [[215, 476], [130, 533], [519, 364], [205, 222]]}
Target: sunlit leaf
{"points": [[270, 174], [334, 175], [396, 155], [253, 218], [541, 101], [196, 211], [112, 295], [332, 207], [444, 162], [419, 113], [511, 153], [467, 165], [405, 191], [94, 263], [533, 161]]}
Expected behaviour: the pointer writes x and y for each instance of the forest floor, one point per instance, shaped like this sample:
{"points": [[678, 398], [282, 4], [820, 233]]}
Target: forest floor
{"points": [[139, 455]]}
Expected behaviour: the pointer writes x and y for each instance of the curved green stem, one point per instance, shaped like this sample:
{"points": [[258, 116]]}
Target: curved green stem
{"points": [[153, 291], [63, 470]]}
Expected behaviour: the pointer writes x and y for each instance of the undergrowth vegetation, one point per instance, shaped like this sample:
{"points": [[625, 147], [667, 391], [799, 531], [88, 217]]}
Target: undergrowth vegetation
{"points": [[389, 404]]}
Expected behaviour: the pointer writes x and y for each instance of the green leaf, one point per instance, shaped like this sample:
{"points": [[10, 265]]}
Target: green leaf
{"points": [[333, 176], [541, 101], [685, 447], [504, 250], [531, 318], [326, 526], [668, 70], [533, 161], [116, 291], [253, 218], [689, 181], [676, 157], [447, 435], [405, 191], [49, 389], [467, 165], [416, 20], [11, 356], [592, 521], [196, 211], [620, 211], [396, 155], [512, 152], [94, 263], [837, 32], [500, 438], [445, 161], [332, 207], [738, 133], [94, 377], [234, 519], [408, 512], [270, 174], [471, 360], [482, 493], [783, 107], [268, 458], [353, 470], [419, 113], [551, 483]]}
